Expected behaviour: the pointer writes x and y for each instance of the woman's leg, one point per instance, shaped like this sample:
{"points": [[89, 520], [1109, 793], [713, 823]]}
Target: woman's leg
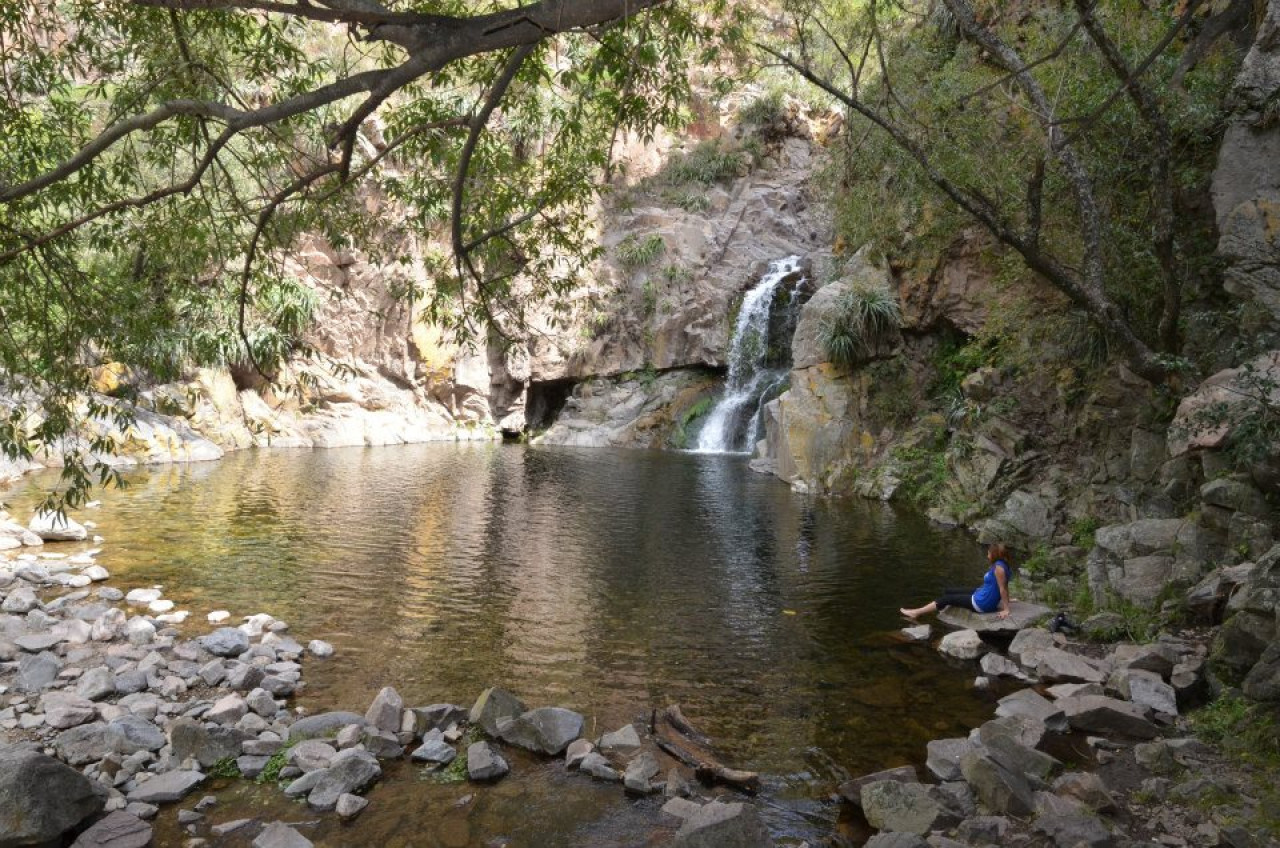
{"points": [[919, 611], [956, 598]]}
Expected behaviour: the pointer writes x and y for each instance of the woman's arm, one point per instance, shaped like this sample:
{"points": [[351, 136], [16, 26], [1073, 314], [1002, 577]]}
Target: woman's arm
{"points": [[1002, 580]]}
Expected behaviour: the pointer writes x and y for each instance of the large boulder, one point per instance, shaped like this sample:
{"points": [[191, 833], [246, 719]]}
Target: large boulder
{"points": [[547, 730], [116, 830], [484, 763], [493, 706], [1001, 791], [1107, 716], [205, 744], [851, 790], [225, 642], [387, 710], [41, 799], [1022, 615], [909, 807], [352, 772], [1262, 683]]}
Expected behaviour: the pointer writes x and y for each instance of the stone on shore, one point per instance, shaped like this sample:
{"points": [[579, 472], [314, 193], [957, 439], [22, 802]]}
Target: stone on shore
{"points": [[598, 767], [637, 780], [492, 706], [206, 745], [41, 798], [1107, 716], [622, 740], [118, 830], [851, 790], [998, 789], [963, 645], [322, 724], [166, 788], [908, 807], [546, 730], [386, 710], [20, 601], [436, 716], [1057, 666], [577, 749], [1021, 615], [319, 648], [225, 642], [130, 734], [943, 759], [484, 763], [718, 825], [434, 750], [353, 771], [1030, 704], [280, 835]]}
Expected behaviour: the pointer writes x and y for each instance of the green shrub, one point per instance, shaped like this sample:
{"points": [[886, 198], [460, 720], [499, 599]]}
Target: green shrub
{"points": [[863, 316], [635, 252], [708, 163]]}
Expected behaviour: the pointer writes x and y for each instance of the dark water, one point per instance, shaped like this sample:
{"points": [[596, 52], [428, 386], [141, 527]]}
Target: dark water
{"points": [[610, 582]]}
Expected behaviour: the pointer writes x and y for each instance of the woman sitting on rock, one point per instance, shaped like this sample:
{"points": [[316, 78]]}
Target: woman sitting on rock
{"points": [[992, 595]]}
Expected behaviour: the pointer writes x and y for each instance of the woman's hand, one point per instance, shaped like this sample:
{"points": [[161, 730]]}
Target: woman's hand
{"points": [[1004, 613]]}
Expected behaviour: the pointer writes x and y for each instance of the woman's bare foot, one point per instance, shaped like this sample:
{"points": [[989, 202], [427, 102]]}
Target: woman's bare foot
{"points": [[911, 614]]}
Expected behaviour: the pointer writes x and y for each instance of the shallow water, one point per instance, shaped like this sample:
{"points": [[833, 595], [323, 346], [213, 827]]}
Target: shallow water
{"points": [[610, 582]]}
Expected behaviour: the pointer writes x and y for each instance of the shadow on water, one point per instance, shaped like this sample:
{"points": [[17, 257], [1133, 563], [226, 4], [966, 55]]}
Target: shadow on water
{"points": [[610, 582]]}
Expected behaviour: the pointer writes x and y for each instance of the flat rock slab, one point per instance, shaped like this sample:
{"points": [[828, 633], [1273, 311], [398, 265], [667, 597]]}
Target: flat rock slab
{"points": [[1107, 716], [167, 788], [1021, 615], [118, 830]]}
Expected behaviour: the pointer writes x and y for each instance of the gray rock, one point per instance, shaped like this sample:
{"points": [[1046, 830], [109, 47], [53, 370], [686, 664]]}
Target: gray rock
{"points": [[908, 807], [20, 601], [851, 790], [1027, 645], [206, 745], [130, 734], [252, 765], [998, 789], [577, 749], [351, 773], [53, 527], [261, 702], [434, 750], [718, 825], [598, 767], [280, 835], [963, 645], [227, 710], [312, 754], [1158, 658], [96, 684], [896, 840], [680, 808], [322, 724], [349, 806], [1030, 704], [36, 671], [637, 780], [484, 763], [67, 709], [1087, 788], [622, 740], [1236, 495], [319, 648], [492, 706], [943, 758], [1107, 716], [995, 665], [81, 745], [1058, 666], [436, 716], [1074, 830], [118, 830], [166, 788], [1262, 683], [1004, 746], [34, 643], [546, 730], [386, 710], [919, 633], [303, 785], [984, 830], [225, 642], [139, 631], [1146, 689], [41, 799], [1022, 615]]}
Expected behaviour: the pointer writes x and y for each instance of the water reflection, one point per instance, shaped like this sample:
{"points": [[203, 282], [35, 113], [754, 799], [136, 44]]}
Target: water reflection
{"points": [[606, 581]]}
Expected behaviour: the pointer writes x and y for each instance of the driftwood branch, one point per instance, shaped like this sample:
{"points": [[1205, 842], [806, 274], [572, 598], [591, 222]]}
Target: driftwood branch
{"points": [[690, 750]]}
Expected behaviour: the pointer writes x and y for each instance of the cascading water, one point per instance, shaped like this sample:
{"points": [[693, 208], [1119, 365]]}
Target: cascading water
{"points": [[749, 378]]}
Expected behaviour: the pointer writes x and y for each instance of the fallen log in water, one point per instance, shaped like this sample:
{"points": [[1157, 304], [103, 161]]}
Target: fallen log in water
{"points": [[694, 755]]}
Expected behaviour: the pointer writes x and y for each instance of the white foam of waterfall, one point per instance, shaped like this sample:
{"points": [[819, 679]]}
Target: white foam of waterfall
{"points": [[748, 379]]}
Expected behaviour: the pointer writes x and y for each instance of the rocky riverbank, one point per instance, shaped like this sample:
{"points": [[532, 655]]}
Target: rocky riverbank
{"points": [[115, 705]]}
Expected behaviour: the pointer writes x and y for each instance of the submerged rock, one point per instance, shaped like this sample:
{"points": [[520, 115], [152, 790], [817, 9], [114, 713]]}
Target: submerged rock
{"points": [[718, 825], [280, 835]]}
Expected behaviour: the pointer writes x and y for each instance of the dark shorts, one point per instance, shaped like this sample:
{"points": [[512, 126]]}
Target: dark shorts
{"points": [[956, 598]]}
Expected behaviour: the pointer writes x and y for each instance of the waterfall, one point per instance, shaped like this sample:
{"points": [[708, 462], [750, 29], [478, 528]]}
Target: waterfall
{"points": [[725, 430]]}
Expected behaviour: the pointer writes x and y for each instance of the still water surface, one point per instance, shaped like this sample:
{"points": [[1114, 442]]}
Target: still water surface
{"points": [[609, 582]]}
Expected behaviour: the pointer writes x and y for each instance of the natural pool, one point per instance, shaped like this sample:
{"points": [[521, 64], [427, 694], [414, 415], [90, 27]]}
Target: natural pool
{"points": [[609, 582]]}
